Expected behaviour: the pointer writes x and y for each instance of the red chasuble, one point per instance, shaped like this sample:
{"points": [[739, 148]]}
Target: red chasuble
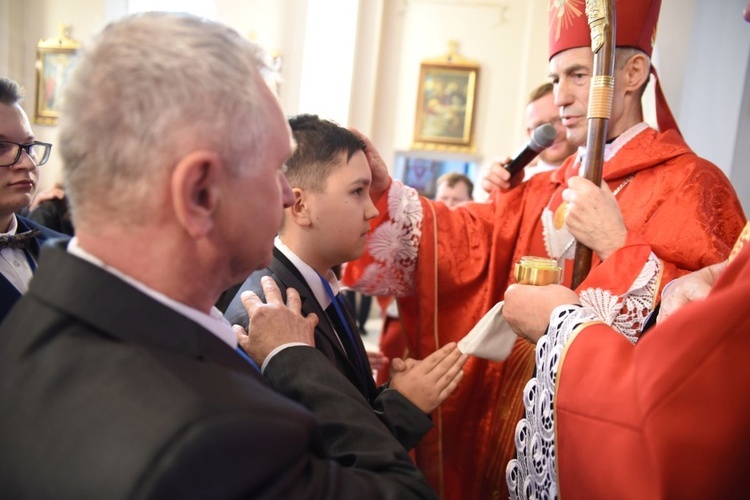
{"points": [[667, 417], [683, 206]]}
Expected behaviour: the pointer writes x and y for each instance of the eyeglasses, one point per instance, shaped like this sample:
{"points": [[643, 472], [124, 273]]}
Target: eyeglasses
{"points": [[10, 152]]}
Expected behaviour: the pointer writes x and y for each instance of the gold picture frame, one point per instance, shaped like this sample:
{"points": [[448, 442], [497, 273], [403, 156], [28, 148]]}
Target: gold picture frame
{"points": [[55, 60], [446, 100]]}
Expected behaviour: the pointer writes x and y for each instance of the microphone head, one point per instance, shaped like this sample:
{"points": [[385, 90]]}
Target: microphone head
{"points": [[542, 137]]}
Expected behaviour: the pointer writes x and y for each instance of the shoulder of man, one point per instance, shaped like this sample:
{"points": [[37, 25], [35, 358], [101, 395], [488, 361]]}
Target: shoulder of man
{"points": [[27, 224], [236, 313]]}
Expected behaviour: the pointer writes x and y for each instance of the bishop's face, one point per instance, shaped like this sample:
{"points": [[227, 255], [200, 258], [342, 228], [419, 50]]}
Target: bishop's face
{"points": [[571, 71]]}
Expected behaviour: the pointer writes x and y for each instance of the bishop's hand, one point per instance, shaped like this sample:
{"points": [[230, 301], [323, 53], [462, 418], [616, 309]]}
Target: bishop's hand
{"points": [[381, 179], [594, 217]]}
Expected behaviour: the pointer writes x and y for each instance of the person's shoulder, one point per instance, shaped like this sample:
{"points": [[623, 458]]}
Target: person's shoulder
{"points": [[128, 412], [235, 311], [146, 389], [47, 233]]}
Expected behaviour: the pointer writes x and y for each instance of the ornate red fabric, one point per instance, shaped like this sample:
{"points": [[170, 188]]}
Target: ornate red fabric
{"points": [[666, 418], [686, 209]]}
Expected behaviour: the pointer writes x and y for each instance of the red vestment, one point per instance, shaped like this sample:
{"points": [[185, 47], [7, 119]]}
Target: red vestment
{"points": [[683, 206], [667, 417]]}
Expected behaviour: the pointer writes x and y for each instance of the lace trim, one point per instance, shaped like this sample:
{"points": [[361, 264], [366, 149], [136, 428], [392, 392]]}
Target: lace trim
{"points": [[627, 313], [394, 245], [533, 473]]}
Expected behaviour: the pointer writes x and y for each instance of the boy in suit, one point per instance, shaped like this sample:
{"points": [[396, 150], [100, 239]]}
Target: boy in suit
{"points": [[326, 226], [20, 159]]}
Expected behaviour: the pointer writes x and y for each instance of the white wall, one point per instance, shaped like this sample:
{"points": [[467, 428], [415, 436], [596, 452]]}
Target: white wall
{"points": [[715, 87], [507, 38]]}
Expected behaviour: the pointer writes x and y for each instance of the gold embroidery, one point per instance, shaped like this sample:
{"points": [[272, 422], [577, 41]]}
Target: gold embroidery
{"points": [[564, 12]]}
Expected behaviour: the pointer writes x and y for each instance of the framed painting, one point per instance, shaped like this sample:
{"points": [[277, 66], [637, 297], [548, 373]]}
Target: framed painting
{"points": [[55, 60], [422, 174], [445, 106]]}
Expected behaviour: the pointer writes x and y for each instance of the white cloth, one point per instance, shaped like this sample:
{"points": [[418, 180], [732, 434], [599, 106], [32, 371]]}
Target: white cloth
{"points": [[491, 338], [13, 262]]}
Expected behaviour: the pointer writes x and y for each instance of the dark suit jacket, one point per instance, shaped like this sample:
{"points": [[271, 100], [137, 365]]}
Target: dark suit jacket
{"points": [[407, 422], [106, 393], [9, 294]]}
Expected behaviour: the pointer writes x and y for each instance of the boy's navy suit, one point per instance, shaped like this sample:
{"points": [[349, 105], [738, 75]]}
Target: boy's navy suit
{"points": [[407, 422]]}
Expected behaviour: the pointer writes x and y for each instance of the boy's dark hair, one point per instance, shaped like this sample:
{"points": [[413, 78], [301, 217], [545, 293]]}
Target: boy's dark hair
{"points": [[10, 92], [319, 145]]}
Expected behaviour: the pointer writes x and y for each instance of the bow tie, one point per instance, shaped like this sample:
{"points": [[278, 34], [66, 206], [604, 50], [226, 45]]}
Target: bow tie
{"points": [[19, 241]]}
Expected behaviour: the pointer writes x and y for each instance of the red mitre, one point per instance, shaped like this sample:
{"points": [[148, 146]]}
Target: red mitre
{"points": [[636, 27]]}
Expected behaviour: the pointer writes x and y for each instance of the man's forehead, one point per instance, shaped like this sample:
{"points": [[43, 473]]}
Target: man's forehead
{"points": [[14, 124], [571, 58]]}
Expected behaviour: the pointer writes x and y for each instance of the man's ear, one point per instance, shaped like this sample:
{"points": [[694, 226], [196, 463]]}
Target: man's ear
{"points": [[299, 212], [637, 71], [195, 191]]}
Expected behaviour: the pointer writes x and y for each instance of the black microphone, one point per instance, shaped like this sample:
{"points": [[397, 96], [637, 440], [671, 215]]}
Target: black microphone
{"points": [[541, 138]]}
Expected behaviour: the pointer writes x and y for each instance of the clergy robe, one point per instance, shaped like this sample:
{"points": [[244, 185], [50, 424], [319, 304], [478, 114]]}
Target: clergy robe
{"points": [[667, 417], [453, 265]]}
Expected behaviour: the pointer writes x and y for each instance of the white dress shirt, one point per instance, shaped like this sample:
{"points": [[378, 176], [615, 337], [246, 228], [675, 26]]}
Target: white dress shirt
{"points": [[14, 263]]}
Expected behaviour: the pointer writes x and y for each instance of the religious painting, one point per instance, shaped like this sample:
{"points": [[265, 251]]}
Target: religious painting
{"points": [[55, 60], [421, 174], [445, 106]]}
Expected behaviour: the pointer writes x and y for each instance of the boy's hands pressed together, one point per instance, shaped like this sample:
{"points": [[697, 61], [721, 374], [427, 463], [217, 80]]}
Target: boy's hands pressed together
{"points": [[428, 382]]}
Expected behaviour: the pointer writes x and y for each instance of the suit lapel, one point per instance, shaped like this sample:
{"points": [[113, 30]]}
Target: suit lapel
{"points": [[9, 295], [108, 304], [26, 225], [290, 276], [22, 228]]}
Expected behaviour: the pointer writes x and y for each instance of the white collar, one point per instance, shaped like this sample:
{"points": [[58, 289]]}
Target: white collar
{"points": [[13, 227], [214, 322], [311, 275], [610, 150]]}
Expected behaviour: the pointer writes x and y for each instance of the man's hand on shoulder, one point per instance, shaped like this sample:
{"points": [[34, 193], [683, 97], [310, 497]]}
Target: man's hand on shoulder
{"points": [[274, 323]]}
